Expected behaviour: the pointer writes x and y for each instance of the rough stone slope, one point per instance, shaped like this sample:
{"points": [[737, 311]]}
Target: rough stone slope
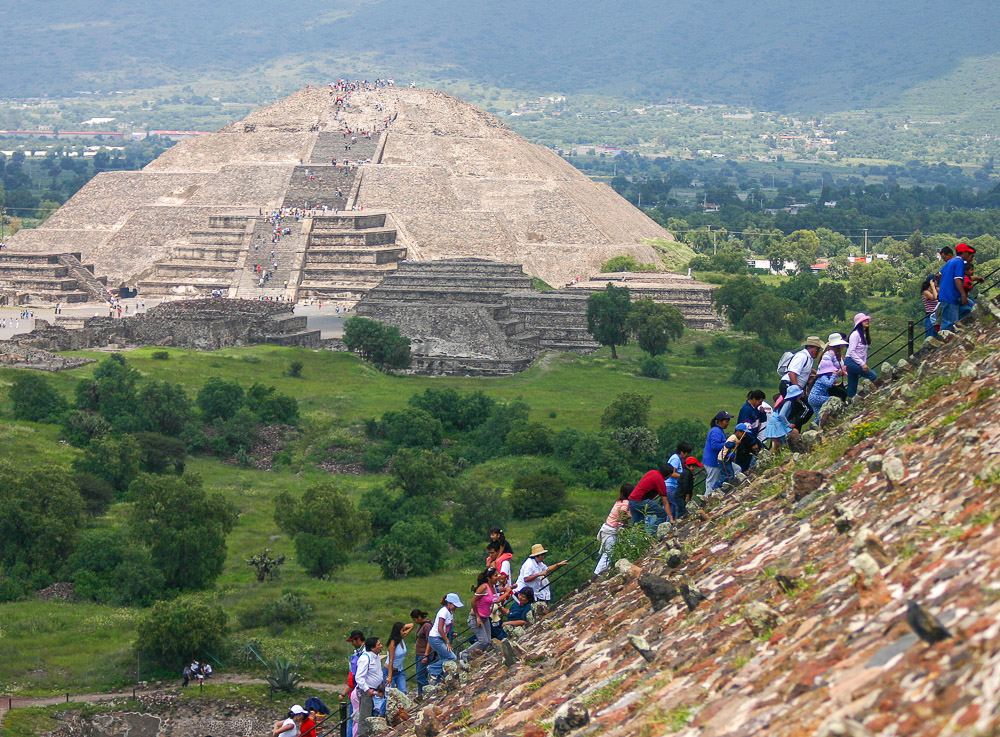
{"points": [[453, 180], [807, 573]]}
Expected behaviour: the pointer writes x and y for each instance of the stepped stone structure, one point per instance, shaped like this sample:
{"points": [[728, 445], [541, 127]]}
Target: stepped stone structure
{"points": [[693, 298], [477, 317], [388, 174]]}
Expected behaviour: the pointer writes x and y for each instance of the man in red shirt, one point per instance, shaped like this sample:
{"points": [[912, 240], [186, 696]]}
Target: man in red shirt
{"points": [[641, 501]]}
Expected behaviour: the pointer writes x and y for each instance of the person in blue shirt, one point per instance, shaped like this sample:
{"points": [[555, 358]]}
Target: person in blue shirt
{"points": [[751, 414], [517, 614], [951, 291], [713, 444]]}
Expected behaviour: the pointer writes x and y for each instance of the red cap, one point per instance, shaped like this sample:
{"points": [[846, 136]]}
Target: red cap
{"points": [[692, 461], [964, 248]]}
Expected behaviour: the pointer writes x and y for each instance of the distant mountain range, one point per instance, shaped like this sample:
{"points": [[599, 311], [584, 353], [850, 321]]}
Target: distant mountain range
{"points": [[805, 55]]}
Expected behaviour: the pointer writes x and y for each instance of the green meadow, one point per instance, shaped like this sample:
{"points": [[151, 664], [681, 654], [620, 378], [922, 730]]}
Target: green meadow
{"points": [[55, 647]]}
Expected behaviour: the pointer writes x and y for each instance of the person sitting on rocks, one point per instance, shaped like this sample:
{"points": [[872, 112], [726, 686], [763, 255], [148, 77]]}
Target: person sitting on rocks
{"points": [[518, 614], [534, 574], [640, 500]]}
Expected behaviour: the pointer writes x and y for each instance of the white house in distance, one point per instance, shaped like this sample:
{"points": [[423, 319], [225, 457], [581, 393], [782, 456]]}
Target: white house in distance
{"points": [[759, 262]]}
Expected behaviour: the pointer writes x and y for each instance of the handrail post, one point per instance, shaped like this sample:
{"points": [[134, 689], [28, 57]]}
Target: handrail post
{"points": [[909, 339], [343, 719]]}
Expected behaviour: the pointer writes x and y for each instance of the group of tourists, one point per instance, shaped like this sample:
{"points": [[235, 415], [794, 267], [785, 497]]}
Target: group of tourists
{"points": [[946, 294], [498, 604]]}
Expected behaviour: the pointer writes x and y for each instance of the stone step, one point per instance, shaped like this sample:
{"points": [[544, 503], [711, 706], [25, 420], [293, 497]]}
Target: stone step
{"points": [[194, 267], [40, 283], [503, 283], [32, 270], [346, 271], [348, 221], [216, 237], [464, 266], [385, 255], [15, 257], [367, 237], [438, 294]]}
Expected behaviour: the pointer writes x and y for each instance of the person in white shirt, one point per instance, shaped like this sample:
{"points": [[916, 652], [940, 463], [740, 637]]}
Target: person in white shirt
{"points": [[800, 368], [290, 727], [438, 638], [534, 571], [368, 677]]}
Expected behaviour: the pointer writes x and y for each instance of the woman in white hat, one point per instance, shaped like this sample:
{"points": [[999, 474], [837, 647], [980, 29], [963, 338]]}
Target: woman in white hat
{"points": [[438, 638], [831, 368], [290, 726], [534, 571]]}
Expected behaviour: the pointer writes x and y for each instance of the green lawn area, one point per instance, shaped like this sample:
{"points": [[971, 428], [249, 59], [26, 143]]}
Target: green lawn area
{"points": [[54, 647]]}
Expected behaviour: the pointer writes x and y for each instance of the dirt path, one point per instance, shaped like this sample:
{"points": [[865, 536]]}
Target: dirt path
{"points": [[8, 702]]}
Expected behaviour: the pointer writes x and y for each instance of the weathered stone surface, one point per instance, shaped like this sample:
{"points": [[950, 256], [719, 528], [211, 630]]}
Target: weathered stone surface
{"points": [[885, 371], [968, 370], [428, 721], [810, 438], [831, 408], [874, 463], [576, 716], [805, 482], [663, 530], [398, 706], [657, 589], [692, 596], [673, 557], [626, 568], [893, 468], [760, 617]]}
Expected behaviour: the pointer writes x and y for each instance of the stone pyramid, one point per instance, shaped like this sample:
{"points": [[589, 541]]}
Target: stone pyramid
{"points": [[428, 177]]}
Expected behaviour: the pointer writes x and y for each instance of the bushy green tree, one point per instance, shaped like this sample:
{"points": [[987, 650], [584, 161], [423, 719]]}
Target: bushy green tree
{"points": [[272, 407], [536, 495], [672, 432], [325, 525], [478, 507], [738, 296], [409, 428], [163, 408], [174, 630], [110, 568], [114, 459], [828, 302], [490, 437], [531, 438], [599, 461], [771, 316], [112, 392], [158, 452], [654, 325], [457, 411], [422, 473], [233, 435], [79, 427], [412, 548], [184, 528], [41, 513], [627, 409], [378, 343], [220, 399], [607, 316], [34, 398], [97, 493]]}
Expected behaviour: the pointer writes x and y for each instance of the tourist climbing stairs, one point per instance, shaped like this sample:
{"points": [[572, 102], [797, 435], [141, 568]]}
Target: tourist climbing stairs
{"points": [[282, 279]]}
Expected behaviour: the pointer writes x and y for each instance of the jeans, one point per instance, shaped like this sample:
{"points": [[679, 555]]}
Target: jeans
{"points": [[929, 326], [949, 315], [712, 477], [421, 674], [436, 668], [677, 502], [608, 536], [854, 374], [483, 634], [644, 507], [398, 681]]}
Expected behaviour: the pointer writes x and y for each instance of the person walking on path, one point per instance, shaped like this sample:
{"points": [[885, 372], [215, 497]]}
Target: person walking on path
{"points": [[831, 368], [856, 358], [713, 444], [640, 500], [438, 639], [608, 534], [395, 676], [534, 574]]}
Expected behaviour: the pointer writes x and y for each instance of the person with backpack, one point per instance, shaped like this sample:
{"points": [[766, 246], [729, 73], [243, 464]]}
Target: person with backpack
{"points": [[797, 368]]}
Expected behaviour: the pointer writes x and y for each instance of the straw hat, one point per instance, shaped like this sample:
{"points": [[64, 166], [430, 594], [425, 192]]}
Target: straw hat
{"points": [[538, 549]]}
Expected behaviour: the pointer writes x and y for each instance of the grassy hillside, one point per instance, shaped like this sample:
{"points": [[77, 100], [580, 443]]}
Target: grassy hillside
{"points": [[789, 55], [54, 647]]}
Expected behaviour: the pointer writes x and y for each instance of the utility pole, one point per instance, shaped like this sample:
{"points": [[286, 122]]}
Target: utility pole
{"points": [[866, 244]]}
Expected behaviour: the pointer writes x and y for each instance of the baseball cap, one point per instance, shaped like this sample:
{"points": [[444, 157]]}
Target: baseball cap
{"points": [[722, 415], [453, 599], [692, 461], [355, 634], [964, 248], [296, 709], [742, 427]]}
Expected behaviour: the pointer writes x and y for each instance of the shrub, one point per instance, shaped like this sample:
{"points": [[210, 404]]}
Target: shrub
{"points": [[163, 408], [159, 355], [295, 369], [421, 472], [412, 548], [627, 409], [536, 495], [175, 629], [456, 411], [319, 555], [633, 542], [374, 458], [672, 432], [699, 350], [654, 367], [114, 459], [563, 442], [111, 393], [97, 493], [378, 343], [599, 461], [755, 366], [12, 589], [79, 428], [109, 568], [239, 432], [478, 508], [490, 437], [721, 343], [638, 442], [283, 675], [382, 508], [410, 428], [271, 407], [158, 452], [532, 438], [220, 399], [325, 524], [34, 398], [625, 262]]}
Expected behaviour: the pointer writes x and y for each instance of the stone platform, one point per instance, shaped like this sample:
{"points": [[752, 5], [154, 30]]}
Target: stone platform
{"points": [[478, 317]]}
